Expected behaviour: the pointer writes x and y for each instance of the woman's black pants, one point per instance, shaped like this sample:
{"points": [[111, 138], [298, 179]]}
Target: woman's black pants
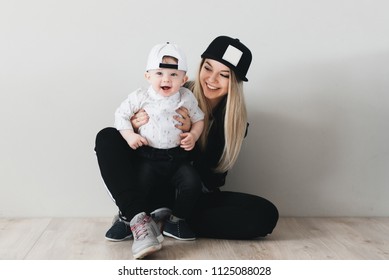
{"points": [[222, 214]]}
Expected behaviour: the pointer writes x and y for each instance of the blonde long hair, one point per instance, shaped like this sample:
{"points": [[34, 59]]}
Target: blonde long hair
{"points": [[235, 119]]}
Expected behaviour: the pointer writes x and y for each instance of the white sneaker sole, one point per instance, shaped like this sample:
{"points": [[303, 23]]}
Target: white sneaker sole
{"points": [[160, 238], [179, 238], [147, 251], [118, 240]]}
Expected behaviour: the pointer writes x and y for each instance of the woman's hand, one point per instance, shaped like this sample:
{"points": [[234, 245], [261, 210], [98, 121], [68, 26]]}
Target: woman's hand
{"points": [[183, 119], [138, 119]]}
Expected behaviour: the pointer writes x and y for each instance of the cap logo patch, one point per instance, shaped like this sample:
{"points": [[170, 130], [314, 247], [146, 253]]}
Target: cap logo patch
{"points": [[232, 55]]}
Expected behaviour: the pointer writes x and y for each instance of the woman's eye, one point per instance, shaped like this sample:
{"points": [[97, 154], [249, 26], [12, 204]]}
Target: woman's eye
{"points": [[225, 76]]}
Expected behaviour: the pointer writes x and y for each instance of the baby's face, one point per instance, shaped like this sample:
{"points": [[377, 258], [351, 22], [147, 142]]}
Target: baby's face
{"points": [[166, 81]]}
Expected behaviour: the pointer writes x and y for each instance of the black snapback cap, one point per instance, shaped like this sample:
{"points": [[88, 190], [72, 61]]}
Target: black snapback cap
{"points": [[232, 53]]}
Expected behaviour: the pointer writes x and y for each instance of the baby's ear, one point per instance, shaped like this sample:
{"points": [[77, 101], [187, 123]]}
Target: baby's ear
{"points": [[147, 75], [184, 80]]}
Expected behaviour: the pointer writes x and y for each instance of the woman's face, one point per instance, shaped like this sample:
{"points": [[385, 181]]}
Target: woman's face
{"points": [[214, 80]]}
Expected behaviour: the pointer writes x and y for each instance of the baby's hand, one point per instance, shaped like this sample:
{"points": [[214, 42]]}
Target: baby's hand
{"points": [[135, 141], [187, 141]]}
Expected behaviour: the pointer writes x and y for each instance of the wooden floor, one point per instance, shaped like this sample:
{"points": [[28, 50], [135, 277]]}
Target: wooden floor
{"points": [[293, 239]]}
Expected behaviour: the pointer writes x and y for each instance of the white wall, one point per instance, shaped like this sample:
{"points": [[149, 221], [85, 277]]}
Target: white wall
{"points": [[318, 97]]}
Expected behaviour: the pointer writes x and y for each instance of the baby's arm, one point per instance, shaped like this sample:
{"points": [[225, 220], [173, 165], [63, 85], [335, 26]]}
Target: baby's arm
{"points": [[133, 139], [188, 139]]}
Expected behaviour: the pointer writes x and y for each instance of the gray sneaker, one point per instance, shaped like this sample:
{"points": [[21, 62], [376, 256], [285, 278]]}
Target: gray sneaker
{"points": [[121, 230], [160, 216], [147, 236]]}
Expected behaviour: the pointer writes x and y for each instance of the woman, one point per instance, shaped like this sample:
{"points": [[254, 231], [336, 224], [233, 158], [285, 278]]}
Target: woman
{"points": [[219, 90]]}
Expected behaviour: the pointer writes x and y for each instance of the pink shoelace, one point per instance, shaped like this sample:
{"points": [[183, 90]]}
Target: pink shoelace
{"points": [[139, 229]]}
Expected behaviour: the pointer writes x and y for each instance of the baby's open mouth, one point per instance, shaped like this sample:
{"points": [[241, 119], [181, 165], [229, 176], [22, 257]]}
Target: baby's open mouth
{"points": [[165, 88]]}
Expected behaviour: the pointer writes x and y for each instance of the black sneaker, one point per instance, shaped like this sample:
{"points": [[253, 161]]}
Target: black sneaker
{"points": [[179, 230], [119, 231]]}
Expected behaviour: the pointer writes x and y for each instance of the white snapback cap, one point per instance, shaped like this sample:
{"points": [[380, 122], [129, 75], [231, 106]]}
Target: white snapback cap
{"points": [[159, 51]]}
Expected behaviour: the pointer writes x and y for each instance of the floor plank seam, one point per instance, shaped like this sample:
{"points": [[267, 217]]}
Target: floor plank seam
{"points": [[37, 239]]}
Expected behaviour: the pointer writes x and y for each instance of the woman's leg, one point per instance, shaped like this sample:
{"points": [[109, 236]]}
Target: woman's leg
{"points": [[117, 162], [232, 215]]}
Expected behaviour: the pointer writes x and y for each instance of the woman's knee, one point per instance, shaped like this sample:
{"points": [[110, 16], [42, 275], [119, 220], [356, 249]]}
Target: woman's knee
{"points": [[187, 177], [106, 136]]}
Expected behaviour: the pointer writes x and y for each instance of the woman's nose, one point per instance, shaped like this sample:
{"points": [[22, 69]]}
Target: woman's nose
{"points": [[212, 77]]}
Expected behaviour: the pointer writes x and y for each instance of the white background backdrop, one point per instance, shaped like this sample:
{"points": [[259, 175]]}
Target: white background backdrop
{"points": [[318, 97]]}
